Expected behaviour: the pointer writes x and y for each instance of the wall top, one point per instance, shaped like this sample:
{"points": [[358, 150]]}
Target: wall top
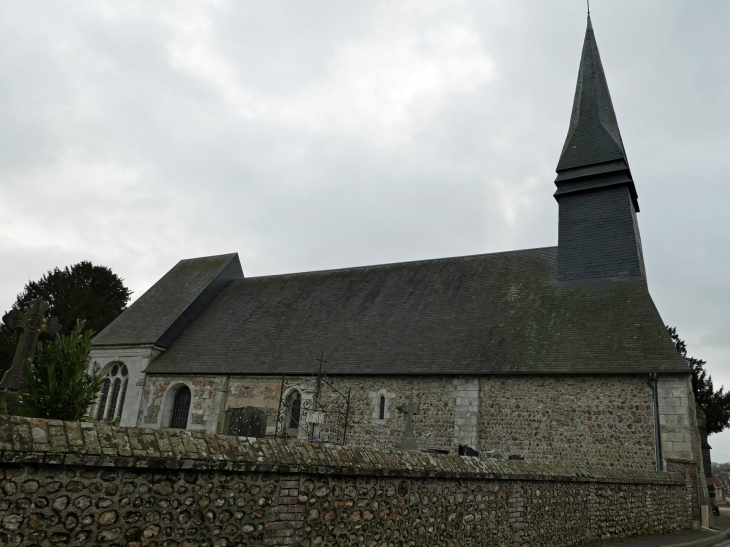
{"points": [[53, 442]]}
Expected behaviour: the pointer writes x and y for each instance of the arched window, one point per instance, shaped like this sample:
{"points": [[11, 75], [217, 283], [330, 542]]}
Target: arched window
{"points": [[102, 401], [180, 408], [110, 403], [294, 405], [381, 413]]}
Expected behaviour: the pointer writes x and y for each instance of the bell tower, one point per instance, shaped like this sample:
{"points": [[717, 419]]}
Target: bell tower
{"points": [[598, 233]]}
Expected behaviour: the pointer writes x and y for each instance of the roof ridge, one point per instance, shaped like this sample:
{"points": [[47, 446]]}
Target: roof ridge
{"points": [[407, 262], [224, 255]]}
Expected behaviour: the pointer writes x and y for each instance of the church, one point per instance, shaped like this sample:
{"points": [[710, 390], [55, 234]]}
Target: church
{"points": [[555, 355]]}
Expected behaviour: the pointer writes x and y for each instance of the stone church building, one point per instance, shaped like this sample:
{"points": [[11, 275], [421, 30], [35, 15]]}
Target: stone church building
{"points": [[554, 354]]}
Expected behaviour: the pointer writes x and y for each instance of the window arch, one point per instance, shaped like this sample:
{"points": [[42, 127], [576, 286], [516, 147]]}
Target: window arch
{"points": [[180, 408], [380, 402], [111, 401], [294, 408]]}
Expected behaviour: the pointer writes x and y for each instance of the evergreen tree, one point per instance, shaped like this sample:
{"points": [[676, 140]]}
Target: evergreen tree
{"points": [[59, 387], [82, 291], [715, 404]]}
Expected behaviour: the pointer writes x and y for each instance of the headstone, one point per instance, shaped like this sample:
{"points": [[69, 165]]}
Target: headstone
{"points": [[467, 451], [247, 421], [408, 408], [33, 322]]}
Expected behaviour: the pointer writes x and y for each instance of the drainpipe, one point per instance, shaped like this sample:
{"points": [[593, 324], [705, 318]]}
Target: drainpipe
{"points": [[657, 428]]}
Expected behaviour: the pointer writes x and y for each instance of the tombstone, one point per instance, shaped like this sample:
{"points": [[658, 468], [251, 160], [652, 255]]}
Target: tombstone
{"points": [[408, 408], [247, 421], [467, 451], [33, 322]]}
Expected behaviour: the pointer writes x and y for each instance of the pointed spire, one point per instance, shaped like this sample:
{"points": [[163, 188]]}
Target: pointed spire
{"points": [[593, 136], [593, 144]]}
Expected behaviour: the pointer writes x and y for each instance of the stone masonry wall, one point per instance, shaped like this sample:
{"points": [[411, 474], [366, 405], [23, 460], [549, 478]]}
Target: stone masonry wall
{"points": [[675, 416], [208, 399], [91, 484], [577, 420], [574, 420]]}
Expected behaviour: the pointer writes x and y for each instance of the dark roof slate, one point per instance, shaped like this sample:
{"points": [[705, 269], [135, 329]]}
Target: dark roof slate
{"points": [[171, 305], [593, 136], [485, 314]]}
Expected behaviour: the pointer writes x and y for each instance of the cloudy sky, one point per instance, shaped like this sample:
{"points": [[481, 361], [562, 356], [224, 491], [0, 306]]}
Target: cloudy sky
{"points": [[323, 134]]}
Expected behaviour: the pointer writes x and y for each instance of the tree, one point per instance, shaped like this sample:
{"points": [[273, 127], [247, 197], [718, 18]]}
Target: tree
{"points": [[81, 291], [59, 387], [715, 404]]}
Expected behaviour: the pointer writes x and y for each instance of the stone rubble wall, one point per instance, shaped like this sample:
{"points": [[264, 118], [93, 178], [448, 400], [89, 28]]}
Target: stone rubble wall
{"points": [[571, 420], [579, 420], [92, 484]]}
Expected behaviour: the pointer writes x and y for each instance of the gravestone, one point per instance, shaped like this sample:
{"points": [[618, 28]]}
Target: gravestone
{"points": [[247, 421], [408, 408], [33, 322], [467, 451]]}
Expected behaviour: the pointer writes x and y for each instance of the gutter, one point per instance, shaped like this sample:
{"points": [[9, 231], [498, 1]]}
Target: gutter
{"points": [[657, 426]]}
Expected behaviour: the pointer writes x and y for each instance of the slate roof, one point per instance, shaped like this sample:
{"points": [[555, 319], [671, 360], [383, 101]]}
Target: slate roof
{"points": [[484, 314], [593, 136], [593, 154], [161, 314]]}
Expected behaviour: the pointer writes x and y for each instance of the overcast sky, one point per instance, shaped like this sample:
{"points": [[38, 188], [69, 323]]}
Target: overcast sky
{"points": [[324, 134]]}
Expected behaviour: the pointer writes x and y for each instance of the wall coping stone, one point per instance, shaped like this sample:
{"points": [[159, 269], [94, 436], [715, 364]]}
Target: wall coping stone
{"points": [[53, 442]]}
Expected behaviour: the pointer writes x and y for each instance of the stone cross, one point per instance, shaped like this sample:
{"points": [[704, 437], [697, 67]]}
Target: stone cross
{"points": [[33, 322], [408, 408]]}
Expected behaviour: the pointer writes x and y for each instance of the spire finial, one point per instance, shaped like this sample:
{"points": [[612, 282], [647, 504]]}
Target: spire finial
{"points": [[589, 6]]}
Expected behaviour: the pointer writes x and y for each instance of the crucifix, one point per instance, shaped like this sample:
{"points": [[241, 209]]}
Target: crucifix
{"points": [[322, 361], [317, 390], [408, 408], [33, 322]]}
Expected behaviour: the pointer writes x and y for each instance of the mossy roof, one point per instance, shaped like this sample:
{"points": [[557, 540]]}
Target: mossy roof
{"points": [[161, 314], [484, 314]]}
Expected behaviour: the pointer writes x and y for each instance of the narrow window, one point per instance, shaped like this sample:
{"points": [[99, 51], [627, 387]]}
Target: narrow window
{"points": [[124, 372], [382, 407], [180, 408], [121, 398], [296, 409], [113, 402], [102, 401]]}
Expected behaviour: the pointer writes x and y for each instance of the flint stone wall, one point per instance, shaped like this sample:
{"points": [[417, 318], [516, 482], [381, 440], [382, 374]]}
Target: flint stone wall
{"points": [[603, 420], [91, 484]]}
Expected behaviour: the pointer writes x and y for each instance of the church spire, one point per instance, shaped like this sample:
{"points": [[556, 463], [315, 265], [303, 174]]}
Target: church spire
{"points": [[598, 234], [593, 145]]}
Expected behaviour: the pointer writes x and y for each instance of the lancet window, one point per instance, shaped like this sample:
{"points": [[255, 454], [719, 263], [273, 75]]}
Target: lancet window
{"points": [[111, 401], [294, 405]]}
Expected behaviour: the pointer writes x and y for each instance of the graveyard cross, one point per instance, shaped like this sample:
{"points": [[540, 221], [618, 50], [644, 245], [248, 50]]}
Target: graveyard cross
{"points": [[33, 321], [409, 408]]}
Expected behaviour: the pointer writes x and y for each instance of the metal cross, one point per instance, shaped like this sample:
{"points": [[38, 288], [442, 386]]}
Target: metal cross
{"points": [[322, 361]]}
